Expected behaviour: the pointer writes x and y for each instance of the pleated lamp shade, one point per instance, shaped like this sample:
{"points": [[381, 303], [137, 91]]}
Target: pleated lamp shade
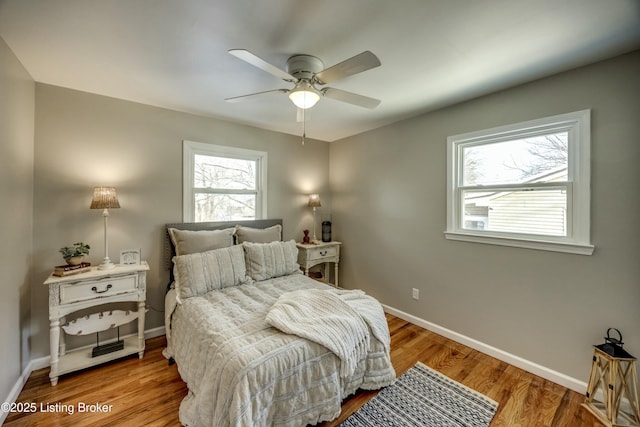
{"points": [[104, 198], [314, 201]]}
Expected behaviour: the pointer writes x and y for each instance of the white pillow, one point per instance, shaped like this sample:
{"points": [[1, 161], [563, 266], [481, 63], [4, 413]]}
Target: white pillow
{"points": [[259, 235], [191, 242], [199, 273], [267, 260]]}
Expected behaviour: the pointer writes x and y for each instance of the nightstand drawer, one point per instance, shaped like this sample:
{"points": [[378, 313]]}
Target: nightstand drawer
{"points": [[99, 288], [322, 253]]}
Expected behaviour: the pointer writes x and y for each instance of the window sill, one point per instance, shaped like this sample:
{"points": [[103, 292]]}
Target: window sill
{"points": [[571, 248]]}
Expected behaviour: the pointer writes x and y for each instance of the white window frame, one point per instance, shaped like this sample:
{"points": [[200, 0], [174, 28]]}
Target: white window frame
{"points": [[190, 149], [578, 240]]}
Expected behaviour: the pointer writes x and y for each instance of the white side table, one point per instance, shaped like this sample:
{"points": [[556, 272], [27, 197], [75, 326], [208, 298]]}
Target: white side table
{"points": [[319, 253], [89, 289]]}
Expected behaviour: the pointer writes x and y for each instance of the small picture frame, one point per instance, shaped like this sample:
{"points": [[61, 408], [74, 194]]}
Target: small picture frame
{"points": [[130, 256]]}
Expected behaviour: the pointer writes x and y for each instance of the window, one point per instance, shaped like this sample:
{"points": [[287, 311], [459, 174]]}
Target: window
{"points": [[223, 183], [524, 185]]}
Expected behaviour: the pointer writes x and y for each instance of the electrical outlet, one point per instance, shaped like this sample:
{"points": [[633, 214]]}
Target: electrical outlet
{"points": [[416, 293]]}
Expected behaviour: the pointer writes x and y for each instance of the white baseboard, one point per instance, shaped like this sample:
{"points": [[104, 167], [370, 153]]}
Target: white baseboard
{"points": [[155, 332], [43, 362], [39, 363], [529, 366], [15, 391]]}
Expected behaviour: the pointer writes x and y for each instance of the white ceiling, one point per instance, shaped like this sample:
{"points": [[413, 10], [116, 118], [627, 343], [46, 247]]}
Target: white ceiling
{"points": [[173, 53]]}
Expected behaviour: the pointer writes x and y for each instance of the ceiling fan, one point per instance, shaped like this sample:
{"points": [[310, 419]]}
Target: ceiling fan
{"points": [[307, 72]]}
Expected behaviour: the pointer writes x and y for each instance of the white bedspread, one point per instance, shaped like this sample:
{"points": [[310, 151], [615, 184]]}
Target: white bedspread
{"points": [[240, 371]]}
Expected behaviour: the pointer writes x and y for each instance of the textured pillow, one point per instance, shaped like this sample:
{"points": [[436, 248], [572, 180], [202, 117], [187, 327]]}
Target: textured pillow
{"points": [[259, 235], [196, 274], [267, 260], [191, 242]]}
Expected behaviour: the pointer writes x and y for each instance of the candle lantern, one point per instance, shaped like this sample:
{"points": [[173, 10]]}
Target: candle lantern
{"points": [[326, 231], [612, 392]]}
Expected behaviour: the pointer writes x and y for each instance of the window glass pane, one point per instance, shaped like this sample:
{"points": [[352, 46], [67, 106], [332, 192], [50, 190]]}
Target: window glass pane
{"points": [[535, 159], [222, 172], [224, 207], [530, 211]]}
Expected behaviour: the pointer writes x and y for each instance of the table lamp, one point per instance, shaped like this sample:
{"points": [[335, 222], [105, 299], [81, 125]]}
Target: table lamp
{"points": [[314, 202], [105, 198]]}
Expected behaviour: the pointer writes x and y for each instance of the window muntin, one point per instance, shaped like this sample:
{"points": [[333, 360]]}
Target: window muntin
{"points": [[223, 183], [524, 185]]}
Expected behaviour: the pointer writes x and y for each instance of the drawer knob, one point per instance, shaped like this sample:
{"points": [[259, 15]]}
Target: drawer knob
{"points": [[94, 289], [323, 253]]}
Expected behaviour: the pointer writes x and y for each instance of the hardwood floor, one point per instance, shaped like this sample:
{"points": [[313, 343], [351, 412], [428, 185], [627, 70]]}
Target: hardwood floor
{"points": [[148, 392]]}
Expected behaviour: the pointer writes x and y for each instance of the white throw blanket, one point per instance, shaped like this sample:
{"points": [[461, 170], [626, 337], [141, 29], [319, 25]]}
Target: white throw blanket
{"points": [[342, 321]]}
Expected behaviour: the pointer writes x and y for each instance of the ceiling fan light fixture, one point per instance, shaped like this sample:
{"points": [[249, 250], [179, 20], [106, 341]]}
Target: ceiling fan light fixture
{"points": [[304, 95]]}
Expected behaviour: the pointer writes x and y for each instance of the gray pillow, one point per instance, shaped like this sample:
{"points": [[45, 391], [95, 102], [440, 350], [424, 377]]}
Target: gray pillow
{"points": [[259, 235], [267, 260], [199, 273], [190, 242]]}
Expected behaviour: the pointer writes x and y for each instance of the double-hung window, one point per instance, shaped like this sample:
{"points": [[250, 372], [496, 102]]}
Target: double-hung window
{"points": [[223, 183], [524, 185]]}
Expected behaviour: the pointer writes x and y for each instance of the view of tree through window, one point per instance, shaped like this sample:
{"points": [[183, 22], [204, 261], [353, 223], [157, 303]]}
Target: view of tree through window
{"points": [[225, 188], [523, 185], [514, 162], [517, 186]]}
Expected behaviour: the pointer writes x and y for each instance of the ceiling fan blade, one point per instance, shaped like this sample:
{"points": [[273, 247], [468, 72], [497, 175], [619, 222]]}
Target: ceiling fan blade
{"points": [[350, 97], [354, 65], [251, 95], [252, 59]]}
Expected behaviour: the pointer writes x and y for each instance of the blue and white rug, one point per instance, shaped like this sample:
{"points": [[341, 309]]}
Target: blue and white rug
{"points": [[424, 397]]}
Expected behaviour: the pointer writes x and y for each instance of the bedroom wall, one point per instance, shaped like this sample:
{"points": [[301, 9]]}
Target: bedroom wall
{"points": [[389, 208], [17, 104], [83, 140]]}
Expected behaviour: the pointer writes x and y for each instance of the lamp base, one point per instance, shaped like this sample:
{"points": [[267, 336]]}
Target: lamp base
{"points": [[106, 264]]}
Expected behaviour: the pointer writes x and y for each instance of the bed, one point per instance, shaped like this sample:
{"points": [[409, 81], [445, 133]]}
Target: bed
{"points": [[251, 335]]}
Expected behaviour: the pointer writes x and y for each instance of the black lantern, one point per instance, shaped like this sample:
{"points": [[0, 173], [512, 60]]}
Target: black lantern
{"points": [[613, 346]]}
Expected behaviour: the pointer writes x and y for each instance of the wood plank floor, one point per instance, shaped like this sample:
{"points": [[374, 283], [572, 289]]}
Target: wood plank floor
{"points": [[148, 392]]}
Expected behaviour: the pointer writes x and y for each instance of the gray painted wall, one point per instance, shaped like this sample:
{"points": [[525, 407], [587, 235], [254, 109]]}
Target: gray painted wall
{"points": [[387, 203], [388, 197], [84, 140], [17, 104]]}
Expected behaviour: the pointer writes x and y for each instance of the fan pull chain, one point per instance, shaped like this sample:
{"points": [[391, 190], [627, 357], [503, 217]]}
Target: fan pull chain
{"points": [[304, 125]]}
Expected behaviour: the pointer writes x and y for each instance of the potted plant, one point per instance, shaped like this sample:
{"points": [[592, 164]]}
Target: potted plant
{"points": [[74, 254]]}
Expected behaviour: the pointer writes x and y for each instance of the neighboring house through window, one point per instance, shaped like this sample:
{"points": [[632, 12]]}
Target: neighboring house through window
{"points": [[223, 183], [525, 185]]}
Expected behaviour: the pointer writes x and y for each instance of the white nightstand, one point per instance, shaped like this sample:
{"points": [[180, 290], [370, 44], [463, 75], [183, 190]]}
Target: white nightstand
{"points": [[89, 289], [319, 253]]}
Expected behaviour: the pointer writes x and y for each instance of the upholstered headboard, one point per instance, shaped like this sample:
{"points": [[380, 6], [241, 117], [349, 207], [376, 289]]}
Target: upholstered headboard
{"points": [[169, 250]]}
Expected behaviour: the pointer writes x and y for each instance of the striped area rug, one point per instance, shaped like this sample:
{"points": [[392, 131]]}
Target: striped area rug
{"points": [[424, 397]]}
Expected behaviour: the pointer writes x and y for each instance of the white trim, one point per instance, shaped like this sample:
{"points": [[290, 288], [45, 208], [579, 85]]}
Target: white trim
{"points": [[529, 366], [578, 239], [190, 148], [40, 363], [17, 388], [43, 362], [567, 248]]}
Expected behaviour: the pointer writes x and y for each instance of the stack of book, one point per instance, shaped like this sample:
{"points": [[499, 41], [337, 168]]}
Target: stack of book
{"points": [[66, 270]]}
